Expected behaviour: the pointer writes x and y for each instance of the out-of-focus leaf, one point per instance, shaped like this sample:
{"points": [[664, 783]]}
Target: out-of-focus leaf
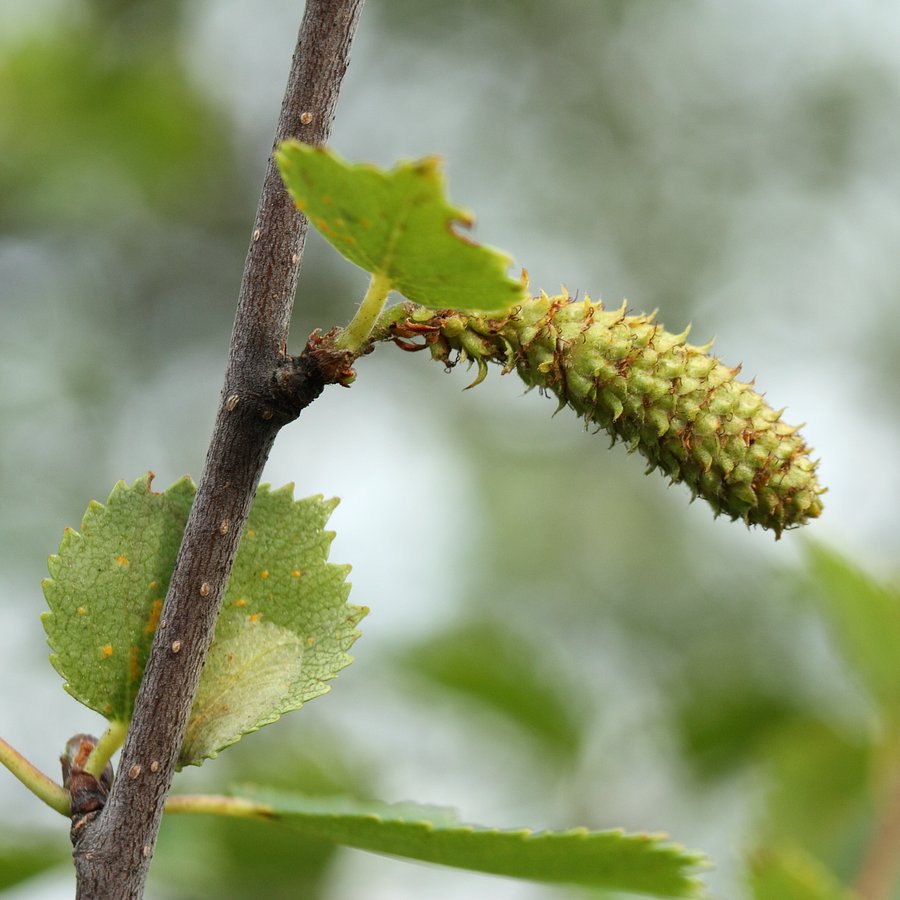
{"points": [[488, 663], [865, 621], [24, 860], [819, 798], [640, 863], [722, 726], [791, 874], [400, 226], [89, 129]]}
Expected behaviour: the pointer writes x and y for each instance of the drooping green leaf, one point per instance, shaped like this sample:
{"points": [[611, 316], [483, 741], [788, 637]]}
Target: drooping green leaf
{"points": [[488, 663], [283, 633], [281, 581], [106, 589], [791, 874], [865, 620], [399, 225], [640, 863]]}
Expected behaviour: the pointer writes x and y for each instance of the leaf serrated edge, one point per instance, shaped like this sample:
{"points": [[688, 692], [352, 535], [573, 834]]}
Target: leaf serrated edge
{"points": [[446, 819], [183, 487]]}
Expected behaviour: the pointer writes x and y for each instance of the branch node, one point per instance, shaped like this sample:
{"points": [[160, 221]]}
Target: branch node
{"points": [[88, 793]]}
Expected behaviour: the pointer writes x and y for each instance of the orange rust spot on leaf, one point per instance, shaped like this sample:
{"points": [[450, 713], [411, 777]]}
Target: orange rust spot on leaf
{"points": [[122, 560], [107, 651], [251, 533], [264, 574], [153, 618], [254, 617], [153, 585], [82, 610], [310, 641], [296, 573], [240, 602]]}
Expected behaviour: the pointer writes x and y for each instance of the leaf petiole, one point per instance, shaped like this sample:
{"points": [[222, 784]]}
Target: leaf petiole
{"points": [[357, 332], [218, 805], [112, 739], [42, 786]]}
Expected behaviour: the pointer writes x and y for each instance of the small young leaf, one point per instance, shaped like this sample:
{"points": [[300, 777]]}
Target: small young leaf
{"points": [[398, 225], [640, 863], [281, 580], [106, 590]]}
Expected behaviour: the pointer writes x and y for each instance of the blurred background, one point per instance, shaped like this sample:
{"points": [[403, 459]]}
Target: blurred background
{"points": [[555, 638]]}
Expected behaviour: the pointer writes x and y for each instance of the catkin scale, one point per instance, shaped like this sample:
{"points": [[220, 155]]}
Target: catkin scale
{"points": [[673, 402]]}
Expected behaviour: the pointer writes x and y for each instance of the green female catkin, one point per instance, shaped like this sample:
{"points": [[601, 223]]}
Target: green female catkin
{"points": [[672, 401]]}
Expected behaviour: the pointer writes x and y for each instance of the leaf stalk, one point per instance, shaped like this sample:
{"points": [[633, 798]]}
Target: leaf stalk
{"points": [[41, 785], [218, 805], [357, 333], [112, 739]]}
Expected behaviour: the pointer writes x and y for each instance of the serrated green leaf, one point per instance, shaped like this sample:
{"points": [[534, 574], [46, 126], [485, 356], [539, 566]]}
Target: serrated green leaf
{"points": [[280, 578], [791, 874], [399, 225], [248, 680], [284, 630], [641, 863], [106, 590]]}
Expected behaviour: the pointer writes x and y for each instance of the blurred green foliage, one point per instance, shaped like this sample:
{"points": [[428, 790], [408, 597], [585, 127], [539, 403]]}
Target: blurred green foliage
{"points": [[31, 855], [793, 876]]}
